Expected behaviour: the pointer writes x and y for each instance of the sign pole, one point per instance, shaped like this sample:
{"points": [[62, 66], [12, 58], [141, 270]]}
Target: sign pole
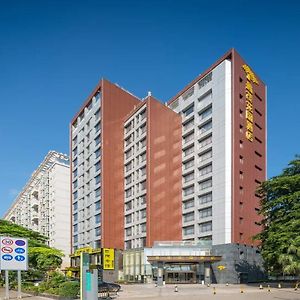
{"points": [[6, 285], [19, 285]]}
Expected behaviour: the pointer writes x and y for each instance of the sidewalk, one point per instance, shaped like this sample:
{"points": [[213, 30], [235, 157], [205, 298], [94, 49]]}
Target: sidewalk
{"points": [[14, 295]]}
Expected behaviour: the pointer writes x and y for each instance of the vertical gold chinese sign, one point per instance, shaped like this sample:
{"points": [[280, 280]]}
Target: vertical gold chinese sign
{"points": [[108, 259], [250, 80]]}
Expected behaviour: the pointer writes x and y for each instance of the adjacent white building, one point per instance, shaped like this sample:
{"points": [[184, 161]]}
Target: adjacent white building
{"points": [[44, 203]]}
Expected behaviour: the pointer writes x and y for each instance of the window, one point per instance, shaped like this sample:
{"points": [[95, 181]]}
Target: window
{"points": [[188, 204], [205, 156], [75, 238], [189, 137], [188, 177], [205, 184], [188, 125], [75, 163], [143, 214], [75, 217], [207, 226], [143, 171], [98, 192], [97, 140], [97, 127], [188, 191], [204, 81], [241, 159], [97, 153], [128, 179], [188, 217], [128, 219], [188, 230], [143, 157], [205, 97], [143, 200], [205, 170], [98, 205], [206, 212], [128, 153], [128, 193], [143, 228], [75, 228], [128, 167], [143, 185], [205, 141], [75, 151], [128, 231], [98, 218], [75, 183], [75, 195], [128, 127], [97, 114], [188, 164], [97, 166], [207, 112], [143, 129], [143, 143], [128, 205], [98, 231], [188, 151], [143, 115], [188, 93], [97, 179], [205, 127], [188, 111], [75, 206]]}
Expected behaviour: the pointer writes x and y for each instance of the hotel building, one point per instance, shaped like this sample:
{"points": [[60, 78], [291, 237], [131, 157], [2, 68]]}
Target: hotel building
{"points": [[44, 203], [139, 177]]}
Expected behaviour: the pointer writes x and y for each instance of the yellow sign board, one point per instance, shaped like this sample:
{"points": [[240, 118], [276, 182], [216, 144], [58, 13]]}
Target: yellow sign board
{"points": [[84, 250], [221, 268], [108, 261], [249, 101]]}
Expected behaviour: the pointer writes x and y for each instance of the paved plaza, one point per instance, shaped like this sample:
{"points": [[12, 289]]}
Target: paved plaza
{"points": [[199, 292], [193, 292]]}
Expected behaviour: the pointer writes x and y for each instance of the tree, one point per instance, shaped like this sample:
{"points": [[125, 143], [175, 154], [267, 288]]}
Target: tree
{"points": [[41, 257], [280, 209]]}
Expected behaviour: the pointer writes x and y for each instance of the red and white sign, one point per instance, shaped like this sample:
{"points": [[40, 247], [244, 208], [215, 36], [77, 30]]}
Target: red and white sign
{"points": [[7, 250], [7, 242]]}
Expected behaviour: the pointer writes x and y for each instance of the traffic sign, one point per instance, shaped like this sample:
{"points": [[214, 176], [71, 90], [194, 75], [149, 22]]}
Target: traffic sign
{"points": [[13, 253]]}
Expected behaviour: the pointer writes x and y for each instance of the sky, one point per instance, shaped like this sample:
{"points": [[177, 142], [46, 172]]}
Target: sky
{"points": [[53, 54]]}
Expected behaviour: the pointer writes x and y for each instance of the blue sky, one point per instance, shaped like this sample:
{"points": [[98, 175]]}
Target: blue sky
{"points": [[53, 53]]}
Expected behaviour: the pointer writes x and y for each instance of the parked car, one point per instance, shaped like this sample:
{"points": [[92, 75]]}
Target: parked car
{"points": [[108, 287]]}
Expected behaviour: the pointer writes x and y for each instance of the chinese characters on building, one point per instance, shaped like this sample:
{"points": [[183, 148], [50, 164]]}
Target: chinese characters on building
{"points": [[250, 78]]}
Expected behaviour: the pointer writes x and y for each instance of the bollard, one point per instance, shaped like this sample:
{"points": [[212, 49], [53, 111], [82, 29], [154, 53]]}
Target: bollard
{"points": [[176, 289], [269, 290], [227, 284], [296, 287], [208, 285], [261, 287], [242, 290], [155, 284], [279, 285], [214, 290]]}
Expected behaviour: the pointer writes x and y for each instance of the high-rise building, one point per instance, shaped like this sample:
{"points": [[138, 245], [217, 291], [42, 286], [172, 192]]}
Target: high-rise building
{"points": [[152, 175], [97, 167], [44, 203], [144, 172], [223, 152]]}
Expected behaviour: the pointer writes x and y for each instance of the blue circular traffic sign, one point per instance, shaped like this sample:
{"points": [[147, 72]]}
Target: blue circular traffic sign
{"points": [[7, 257], [20, 242], [19, 258], [20, 250]]}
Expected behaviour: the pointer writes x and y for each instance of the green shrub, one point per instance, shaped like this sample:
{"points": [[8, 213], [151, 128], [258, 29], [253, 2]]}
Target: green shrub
{"points": [[69, 289]]}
